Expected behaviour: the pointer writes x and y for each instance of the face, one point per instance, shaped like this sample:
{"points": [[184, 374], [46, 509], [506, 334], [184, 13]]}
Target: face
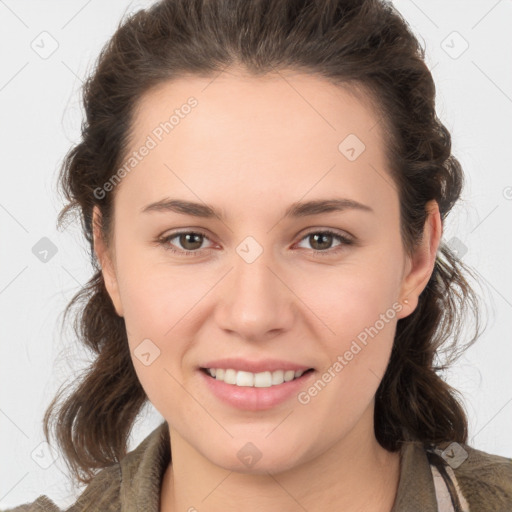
{"points": [[318, 289]]}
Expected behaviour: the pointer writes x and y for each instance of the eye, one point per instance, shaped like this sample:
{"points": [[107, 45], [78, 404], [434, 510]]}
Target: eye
{"points": [[191, 241], [322, 240]]}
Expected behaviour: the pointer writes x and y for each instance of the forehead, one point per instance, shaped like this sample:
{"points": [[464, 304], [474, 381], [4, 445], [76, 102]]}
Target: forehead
{"points": [[288, 133]]}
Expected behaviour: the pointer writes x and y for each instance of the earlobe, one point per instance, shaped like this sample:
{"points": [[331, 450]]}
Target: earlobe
{"points": [[421, 265], [105, 260]]}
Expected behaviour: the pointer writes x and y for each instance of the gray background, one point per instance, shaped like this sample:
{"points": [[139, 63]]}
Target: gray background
{"points": [[48, 47]]}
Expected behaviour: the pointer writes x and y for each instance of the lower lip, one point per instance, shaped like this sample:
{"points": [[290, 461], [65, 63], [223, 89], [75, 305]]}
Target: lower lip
{"points": [[255, 399]]}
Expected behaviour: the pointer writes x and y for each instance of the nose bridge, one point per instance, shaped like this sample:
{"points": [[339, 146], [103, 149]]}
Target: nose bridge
{"points": [[252, 274], [255, 299]]}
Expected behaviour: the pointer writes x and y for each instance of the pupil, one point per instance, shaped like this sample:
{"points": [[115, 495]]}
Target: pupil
{"points": [[323, 240], [185, 239], [324, 245]]}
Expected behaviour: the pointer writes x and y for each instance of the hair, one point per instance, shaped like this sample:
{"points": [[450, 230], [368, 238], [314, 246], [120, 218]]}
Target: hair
{"points": [[363, 45]]}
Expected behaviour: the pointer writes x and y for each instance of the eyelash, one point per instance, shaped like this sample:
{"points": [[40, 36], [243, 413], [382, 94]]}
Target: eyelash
{"points": [[165, 242]]}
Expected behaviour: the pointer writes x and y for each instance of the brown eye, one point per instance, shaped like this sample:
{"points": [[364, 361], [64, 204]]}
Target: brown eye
{"points": [[190, 241], [187, 243], [321, 242]]}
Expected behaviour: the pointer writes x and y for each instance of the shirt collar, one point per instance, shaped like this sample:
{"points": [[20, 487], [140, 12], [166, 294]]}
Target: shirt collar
{"points": [[142, 471], [416, 489]]}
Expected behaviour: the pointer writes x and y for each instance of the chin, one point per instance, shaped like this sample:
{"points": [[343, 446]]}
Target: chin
{"points": [[249, 459]]}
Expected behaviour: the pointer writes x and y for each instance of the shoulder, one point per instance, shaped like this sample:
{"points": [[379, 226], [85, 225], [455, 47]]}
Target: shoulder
{"points": [[135, 479], [485, 479], [41, 504], [102, 490]]}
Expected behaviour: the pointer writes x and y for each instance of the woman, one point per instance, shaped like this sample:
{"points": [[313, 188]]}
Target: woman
{"points": [[264, 186]]}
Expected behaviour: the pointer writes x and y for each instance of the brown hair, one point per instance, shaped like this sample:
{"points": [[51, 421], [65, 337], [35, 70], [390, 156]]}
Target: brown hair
{"points": [[365, 45]]}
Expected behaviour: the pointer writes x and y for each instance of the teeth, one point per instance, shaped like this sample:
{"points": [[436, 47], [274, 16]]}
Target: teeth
{"points": [[244, 378], [277, 377], [257, 380], [289, 375], [230, 377]]}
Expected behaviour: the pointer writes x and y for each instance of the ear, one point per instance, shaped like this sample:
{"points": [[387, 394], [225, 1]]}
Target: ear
{"points": [[105, 259], [420, 265]]}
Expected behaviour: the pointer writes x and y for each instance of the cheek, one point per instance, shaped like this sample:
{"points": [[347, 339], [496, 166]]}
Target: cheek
{"points": [[356, 359], [353, 296], [155, 297], [160, 306], [153, 315], [359, 311]]}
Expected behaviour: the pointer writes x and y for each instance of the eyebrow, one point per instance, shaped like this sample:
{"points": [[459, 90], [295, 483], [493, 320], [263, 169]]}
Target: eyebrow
{"points": [[295, 210]]}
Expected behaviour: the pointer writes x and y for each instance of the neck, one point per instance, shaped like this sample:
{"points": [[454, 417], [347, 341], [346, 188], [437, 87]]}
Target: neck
{"points": [[355, 474]]}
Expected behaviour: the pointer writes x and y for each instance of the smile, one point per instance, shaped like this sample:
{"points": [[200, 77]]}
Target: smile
{"points": [[263, 379]]}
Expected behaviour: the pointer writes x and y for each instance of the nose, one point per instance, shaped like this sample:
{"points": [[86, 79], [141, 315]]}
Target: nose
{"points": [[255, 300]]}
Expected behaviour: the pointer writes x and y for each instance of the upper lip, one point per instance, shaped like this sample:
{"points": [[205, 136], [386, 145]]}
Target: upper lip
{"points": [[246, 365]]}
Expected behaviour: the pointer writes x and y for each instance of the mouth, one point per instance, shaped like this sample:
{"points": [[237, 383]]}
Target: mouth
{"points": [[265, 379], [260, 391]]}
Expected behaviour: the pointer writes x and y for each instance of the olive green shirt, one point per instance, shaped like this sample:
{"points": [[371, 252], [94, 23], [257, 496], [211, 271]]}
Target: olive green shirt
{"points": [[133, 485]]}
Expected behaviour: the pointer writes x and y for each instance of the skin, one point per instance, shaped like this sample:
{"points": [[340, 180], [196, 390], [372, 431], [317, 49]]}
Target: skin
{"points": [[252, 147]]}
